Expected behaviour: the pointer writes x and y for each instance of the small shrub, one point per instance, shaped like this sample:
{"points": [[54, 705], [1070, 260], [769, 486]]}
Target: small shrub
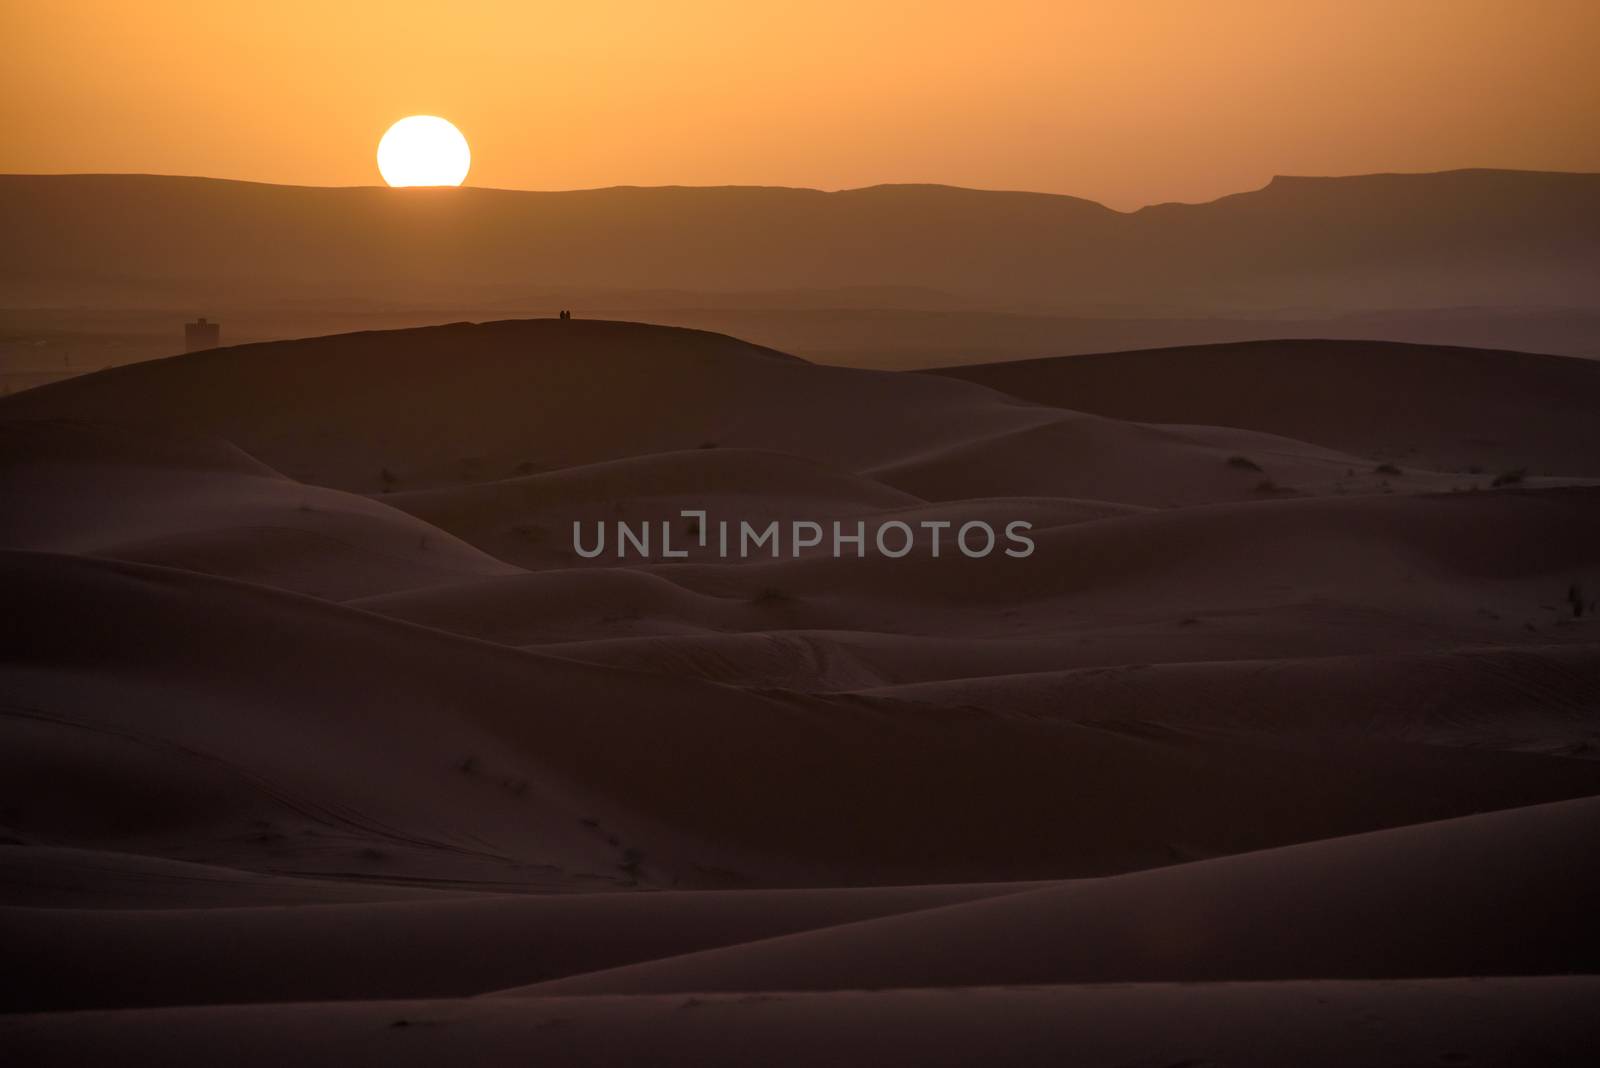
{"points": [[708, 444], [526, 467], [1386, 469], [1243, 463], [533, 533]]}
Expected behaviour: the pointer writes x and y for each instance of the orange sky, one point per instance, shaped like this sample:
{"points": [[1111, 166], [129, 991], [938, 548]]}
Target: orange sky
{"points": [[1126, 103]]}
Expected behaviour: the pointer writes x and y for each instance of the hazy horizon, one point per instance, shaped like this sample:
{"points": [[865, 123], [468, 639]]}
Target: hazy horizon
{"points": [[1126, 106], [806, 188]]}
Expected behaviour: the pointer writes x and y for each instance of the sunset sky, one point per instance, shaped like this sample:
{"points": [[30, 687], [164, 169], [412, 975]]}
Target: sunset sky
{"points": [[1125, 103]]}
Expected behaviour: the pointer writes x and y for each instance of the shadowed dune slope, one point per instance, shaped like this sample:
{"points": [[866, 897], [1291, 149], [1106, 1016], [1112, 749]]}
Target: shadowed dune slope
{"points": [[831, 660], [1331, 1024], [1092, 457], [1446, 558], [60, 877], [116, 491], [1428, 406], [405, 948], [1533, 698], [528, 520], [439, 406], [1245, 583], [313, 731], [1391, 549], [1504, 893], [331, 740]]}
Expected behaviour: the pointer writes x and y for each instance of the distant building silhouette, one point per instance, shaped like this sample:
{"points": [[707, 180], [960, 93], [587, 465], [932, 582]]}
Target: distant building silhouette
{"points": [[201, 335]]}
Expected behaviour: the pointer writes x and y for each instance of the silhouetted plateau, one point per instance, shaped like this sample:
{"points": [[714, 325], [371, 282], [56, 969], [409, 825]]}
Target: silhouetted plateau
{"points": [[889, 276]]}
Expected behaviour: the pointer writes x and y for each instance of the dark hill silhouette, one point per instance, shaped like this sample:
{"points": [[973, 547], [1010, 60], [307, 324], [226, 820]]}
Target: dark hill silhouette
{"points": [[474, 402], [1428, 405], [1454, 238], [470, 400]]}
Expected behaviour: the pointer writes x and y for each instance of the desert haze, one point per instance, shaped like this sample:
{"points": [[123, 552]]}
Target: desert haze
{"points": [[1454, 238], [98, 269], [323, 746]]}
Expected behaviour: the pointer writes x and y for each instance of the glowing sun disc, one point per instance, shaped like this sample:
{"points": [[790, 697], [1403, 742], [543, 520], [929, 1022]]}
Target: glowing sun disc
{"points": [[423, 150]]}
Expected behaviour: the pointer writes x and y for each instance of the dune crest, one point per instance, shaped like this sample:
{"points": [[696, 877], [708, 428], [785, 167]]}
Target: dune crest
{"points": [[1276, 731]]}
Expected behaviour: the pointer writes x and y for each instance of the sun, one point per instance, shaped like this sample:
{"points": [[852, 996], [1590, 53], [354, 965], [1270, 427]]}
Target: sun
{"points": [[423, 150]]}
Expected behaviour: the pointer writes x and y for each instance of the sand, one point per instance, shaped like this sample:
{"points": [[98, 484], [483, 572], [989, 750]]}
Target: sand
{"points": [[319, 743], [1429, 406]]}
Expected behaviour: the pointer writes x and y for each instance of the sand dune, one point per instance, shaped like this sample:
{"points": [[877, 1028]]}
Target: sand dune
{"points": [[850, 659], [1454, 567], [283, 719], [1101, 459], [542, 771], [64, 878], [529, 520], [1380, 1024], [1427, 406], [1536, 698], [543, 395], [313, 727], [1503, 893], [567, 605], [1399, 1023], [1470, 549], [802, 660], [543, 392], [405, 949], [142, 495]]}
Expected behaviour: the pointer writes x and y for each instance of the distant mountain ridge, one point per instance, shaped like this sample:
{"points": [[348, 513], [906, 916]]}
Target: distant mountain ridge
{"points": [[1457, 238]]}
